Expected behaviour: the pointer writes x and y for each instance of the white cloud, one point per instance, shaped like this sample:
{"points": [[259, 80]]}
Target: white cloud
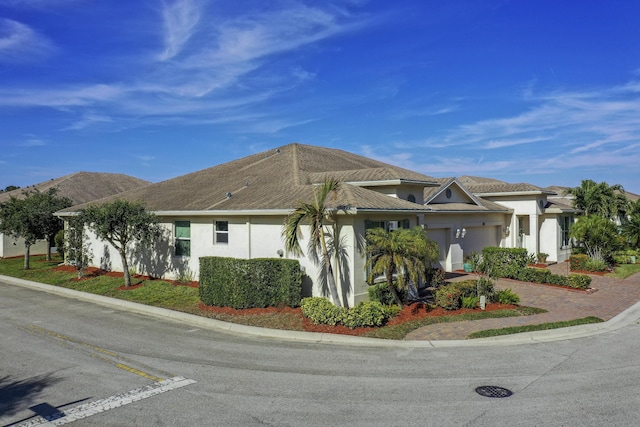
{"points": [[19, 43], [180, 20]]}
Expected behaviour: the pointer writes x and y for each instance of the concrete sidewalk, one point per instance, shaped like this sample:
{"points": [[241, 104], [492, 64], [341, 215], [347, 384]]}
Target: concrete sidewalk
{"points": [[611, 297]]}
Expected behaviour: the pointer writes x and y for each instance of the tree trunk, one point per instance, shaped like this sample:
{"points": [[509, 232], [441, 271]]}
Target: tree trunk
{"points": [[331, 281], [125, 266], [393, 290], [27, 252], [48, 239]]}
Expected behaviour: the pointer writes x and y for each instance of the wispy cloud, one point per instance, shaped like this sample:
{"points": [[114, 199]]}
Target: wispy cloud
{"points": [[180, 19], [19, 43], [211, 66]]}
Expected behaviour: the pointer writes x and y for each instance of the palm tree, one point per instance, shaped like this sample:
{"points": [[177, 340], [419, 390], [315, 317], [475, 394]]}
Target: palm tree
{"points": [[607, 201], [631, 230], [406, 253], [317, 214]]}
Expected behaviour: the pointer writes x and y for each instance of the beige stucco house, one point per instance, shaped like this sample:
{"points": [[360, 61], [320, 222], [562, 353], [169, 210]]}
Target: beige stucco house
{"points": [[237, 209]]}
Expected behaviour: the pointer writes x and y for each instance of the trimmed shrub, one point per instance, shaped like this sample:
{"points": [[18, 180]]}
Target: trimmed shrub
{"points": [[321, 311], [448, 297], [247, 283], [470, 302], [578, 262], [507, 296], [367, 313], [380, 292], [579, 281], [504, 262]]}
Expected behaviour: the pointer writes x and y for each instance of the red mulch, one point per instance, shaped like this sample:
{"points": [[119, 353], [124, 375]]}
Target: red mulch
{"points": [[408, 313]]}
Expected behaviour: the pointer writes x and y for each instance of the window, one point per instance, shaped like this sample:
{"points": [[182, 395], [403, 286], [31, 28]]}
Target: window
{"points": [[387, 225], [183, 238], [411, 198], [221, 233], [565, 226]]}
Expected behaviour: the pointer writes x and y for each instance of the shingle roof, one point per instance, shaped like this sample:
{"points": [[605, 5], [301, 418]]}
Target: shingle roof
{"points": [[482, 205], [273, 180], [82, 187]]}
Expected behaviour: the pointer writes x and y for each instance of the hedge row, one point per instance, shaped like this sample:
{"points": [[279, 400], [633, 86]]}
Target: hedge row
{"points": [[249, 283], [368, 313], [541, 275], [504, 262]]}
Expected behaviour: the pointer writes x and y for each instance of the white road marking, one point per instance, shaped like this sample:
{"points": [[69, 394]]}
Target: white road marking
{"points": [[102, 405]]}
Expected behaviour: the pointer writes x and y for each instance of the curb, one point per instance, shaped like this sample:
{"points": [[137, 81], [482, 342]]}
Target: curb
{"points": [[627, 317]]}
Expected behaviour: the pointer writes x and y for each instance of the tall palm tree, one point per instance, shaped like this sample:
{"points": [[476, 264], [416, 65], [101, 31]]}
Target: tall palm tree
{"points": [[602, 199], [406, 253], [318, 216]]}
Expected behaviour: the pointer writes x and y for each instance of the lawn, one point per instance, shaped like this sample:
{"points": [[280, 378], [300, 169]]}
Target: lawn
{"points": [[175, 296]]}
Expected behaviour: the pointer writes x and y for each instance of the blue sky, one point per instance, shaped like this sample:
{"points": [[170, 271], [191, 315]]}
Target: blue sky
{"points": [[539, 91]]}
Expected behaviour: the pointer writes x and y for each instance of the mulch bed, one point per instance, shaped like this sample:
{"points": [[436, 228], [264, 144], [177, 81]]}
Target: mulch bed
{"points": [[409, 312]]}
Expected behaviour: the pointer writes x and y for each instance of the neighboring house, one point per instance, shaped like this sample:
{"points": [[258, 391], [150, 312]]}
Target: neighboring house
{"points": [[80, 187], [237, 209], [540, 221]]}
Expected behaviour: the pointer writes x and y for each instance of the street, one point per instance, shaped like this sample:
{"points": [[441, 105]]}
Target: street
{"points": [[63, 360]]}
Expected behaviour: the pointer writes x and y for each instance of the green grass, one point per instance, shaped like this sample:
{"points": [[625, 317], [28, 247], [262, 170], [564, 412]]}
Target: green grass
{"points": [[398, 332], [158, 293], [532, 328], [625, 270], [161, 293]]}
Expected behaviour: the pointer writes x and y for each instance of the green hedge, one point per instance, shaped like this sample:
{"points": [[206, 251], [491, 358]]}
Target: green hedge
{"points": [[504, 262], [248, 283], [578, 262], [380, 292], [366, 314]]}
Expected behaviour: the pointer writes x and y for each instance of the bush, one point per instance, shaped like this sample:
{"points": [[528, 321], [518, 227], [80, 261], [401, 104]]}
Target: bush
{"points": [[485, 287], [321, 311], [596, 265], [470, 302], [435, 277], [507, 297], [380, 292], [579, 281], [448, 297], [247, 283], [58, 239], [504, 262], [367, 313], [578, 262]]}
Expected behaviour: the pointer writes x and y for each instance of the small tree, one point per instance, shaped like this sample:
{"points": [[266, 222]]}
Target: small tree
{"points": [[631, 230], [122, 223], [76, 245], [406, 253], [31, 218]]}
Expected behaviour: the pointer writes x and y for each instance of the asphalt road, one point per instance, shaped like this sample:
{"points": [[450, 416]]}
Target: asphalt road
{"points": [[62, 359]]}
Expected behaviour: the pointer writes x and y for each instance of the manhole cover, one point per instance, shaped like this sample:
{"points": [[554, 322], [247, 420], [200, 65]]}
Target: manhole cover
{"points": [[493, 391]]}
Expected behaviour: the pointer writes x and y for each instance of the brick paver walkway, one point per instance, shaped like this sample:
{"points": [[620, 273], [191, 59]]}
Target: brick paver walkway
{"points": [[611, 298]]}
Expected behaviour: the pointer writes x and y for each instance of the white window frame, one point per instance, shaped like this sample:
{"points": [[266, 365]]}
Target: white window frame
{"points": [[217, 232]]}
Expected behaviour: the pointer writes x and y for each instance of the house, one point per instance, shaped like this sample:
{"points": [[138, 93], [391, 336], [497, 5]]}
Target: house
{"points": [[540, 221], [237, 209], [80, 187]]}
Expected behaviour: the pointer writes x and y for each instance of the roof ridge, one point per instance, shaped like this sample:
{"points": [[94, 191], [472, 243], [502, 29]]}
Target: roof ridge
{"points": [[295, 164]]}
